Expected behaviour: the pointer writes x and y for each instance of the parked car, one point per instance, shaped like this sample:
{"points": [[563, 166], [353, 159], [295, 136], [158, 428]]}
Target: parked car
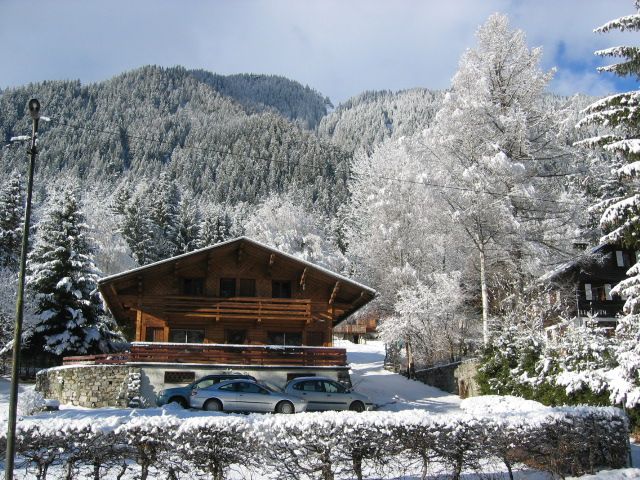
{"points": [[182, 395], [322, 393], [245, 396]]}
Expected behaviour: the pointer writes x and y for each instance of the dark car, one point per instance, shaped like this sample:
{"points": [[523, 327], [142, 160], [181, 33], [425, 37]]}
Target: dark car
{"points": [[182, 395]]}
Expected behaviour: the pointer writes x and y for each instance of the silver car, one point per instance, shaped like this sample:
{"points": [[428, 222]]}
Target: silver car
{"points": [[245, 396], [322, 393]]}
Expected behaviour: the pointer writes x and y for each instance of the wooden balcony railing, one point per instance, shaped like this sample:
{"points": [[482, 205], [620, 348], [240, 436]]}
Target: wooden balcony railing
{"points": [[261, 355], [608, 309], [253, 308]]}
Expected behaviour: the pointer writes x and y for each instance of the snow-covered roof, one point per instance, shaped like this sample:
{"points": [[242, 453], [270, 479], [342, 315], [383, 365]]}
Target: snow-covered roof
{"points": [[228, 242], [566, 267]]}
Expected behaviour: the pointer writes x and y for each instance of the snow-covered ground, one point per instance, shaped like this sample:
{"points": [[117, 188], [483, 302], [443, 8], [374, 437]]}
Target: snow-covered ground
{"points": [[392, 392]]}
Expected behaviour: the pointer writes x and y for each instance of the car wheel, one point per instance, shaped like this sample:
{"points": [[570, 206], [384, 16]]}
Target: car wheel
{"points": [[285, 407], [357, 407], [180, 401], [213, 406]]}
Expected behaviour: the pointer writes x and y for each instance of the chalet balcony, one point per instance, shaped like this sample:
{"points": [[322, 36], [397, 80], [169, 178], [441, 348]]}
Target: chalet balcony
{"points": [[608, 309], [219, 354], [241, 308]]}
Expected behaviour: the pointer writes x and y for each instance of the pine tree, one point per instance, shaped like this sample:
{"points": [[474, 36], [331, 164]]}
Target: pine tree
{"points": [[164, 201], [11, 218], [620, 220], [63, 279], [138, 231], [216, 227], [187, 227]]}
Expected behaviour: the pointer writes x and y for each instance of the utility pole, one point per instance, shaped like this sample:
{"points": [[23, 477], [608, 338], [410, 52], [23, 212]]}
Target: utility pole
{"points": [[34, 111]]}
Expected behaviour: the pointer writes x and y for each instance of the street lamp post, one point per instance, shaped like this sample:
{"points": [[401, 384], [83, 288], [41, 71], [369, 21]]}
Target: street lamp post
{"points": [[34, 111]]}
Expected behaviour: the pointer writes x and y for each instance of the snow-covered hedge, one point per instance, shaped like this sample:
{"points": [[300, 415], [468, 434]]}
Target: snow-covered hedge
{"points": [[570, 440]]}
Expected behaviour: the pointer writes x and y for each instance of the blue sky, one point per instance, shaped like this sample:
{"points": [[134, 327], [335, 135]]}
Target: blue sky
{"points": [[339, 47]]}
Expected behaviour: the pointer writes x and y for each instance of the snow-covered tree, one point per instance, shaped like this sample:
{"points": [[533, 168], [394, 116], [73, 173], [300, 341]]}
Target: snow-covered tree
{"points": [[138, 231], [619, 115], [282, 223], [215, 227], [430, 319], [397, 232], [187, 226], [163, 204], [11, 220], [63, 280], [501, 154]]}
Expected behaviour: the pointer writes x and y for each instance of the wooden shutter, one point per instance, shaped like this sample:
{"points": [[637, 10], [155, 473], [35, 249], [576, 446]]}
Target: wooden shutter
{"points": [[587, 291], [619, 258], [607, 291]]}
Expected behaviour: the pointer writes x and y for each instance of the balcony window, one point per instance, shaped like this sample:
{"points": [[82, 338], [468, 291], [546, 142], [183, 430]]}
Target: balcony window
{"points": [[227, 287], [186, 336], [281, 289], [193, 286], [285, 338], [247, 287], [236, 337]]}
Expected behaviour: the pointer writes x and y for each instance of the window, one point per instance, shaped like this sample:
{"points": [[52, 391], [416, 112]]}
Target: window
{"points": [[310, 386], [246, 387], [607, 291], [247, 287], [179, 377], [281, 289], [588, 294], [229, 388], [227, 287], [207, 382], [154, 334], [285, 338], [332, 387], [186, 336], [236, 337], [193, 286]]}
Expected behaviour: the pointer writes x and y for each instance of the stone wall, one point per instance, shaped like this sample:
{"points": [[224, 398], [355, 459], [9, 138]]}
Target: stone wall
{"points": [[465, 375], [91, 385], [441, 377]]}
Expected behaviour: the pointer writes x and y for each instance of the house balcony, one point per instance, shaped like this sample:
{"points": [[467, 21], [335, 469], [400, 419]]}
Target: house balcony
{"points": [[606, 309], [241, 308], [218, 354]]}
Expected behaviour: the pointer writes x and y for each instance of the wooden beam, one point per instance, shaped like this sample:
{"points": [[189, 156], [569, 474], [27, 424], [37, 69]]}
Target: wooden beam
{"points": [[209, 264], [140, 289], [303, 279], [334, 293], [272, 261], [239, 254]]}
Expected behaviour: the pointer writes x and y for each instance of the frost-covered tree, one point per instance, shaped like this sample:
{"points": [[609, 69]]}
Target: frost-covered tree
{"points": [[397, 232], [501, 154], [216, 226], [282, 223], [63, 280], [430, 319], [11, 219], [163, 206]]}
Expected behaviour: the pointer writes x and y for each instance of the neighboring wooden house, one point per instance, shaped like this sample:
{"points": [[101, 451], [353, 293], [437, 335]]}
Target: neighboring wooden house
{"points": [[239, 305], [584, 285]]}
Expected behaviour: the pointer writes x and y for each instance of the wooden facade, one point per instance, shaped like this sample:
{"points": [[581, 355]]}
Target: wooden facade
{"points": [[585, 284], [239, 292]]}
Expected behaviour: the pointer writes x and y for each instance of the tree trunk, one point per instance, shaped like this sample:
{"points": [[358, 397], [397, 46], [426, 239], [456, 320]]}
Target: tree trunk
{"points": [[485, 298]]}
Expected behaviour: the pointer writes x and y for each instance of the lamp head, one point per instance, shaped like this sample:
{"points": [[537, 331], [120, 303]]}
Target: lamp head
{"points": [[34, 108]]}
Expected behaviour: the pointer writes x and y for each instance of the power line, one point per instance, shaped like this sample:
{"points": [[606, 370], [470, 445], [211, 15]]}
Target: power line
{"points": [[130, 136]]}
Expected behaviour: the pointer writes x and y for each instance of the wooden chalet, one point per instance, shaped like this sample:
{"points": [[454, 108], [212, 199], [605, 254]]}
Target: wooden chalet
{"points": [[585, 283], [239, 302]]}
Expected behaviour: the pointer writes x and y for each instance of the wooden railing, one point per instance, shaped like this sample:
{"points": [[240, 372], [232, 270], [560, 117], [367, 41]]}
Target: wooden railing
{"points": [[253, 308], [350, 329], [262, 355]]}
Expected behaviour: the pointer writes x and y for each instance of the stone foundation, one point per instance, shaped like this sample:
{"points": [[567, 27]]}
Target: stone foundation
{"points": [[91, 385]]}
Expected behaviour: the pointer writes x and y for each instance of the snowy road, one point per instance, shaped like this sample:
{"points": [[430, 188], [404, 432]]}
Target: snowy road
{"points": [[392, 391]]}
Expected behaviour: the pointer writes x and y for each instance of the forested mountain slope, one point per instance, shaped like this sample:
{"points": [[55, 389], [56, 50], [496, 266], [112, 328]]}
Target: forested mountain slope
{"points": [[154, 119]]}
